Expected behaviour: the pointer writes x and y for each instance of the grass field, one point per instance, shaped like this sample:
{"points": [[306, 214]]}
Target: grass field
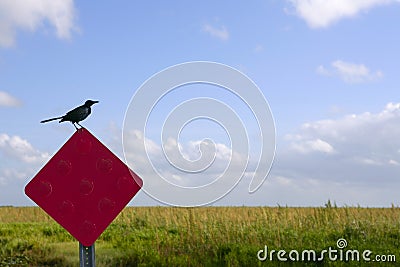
{"points": [[208, 236]]}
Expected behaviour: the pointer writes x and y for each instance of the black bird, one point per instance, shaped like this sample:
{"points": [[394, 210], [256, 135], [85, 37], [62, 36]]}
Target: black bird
{"points": [[76, 115]]}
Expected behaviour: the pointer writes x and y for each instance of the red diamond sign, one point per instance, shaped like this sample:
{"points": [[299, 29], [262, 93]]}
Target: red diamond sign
{"points": [[84, 186]]}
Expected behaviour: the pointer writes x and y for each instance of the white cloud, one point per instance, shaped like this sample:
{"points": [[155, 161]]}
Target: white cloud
{"points": [[323, 71], [7, 100], [217, 32], [283, 181], [134, 153], [310, 146], [32, 14], [19, 161], [353, 160], [10, 174], [175, 161], [20, 149], [353, 141], [322, 13], [350, 72]]}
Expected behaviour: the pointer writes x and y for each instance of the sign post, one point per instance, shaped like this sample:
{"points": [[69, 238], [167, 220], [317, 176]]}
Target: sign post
{"points": [[86, 256], [83, 187]]}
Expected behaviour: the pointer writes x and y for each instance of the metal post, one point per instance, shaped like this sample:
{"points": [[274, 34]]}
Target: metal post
{"points": [[86, 256]]}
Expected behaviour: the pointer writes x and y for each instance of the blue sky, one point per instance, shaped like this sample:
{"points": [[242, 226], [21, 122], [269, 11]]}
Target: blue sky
{"points": [[329, 70]]}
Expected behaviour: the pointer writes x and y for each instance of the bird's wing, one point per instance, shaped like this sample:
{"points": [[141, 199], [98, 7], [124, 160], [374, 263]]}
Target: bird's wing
{"points": [[77, 114], [75, 110]]}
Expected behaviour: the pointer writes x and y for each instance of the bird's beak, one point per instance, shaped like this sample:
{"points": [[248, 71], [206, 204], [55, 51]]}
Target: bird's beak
{"points": [[95, 101]]}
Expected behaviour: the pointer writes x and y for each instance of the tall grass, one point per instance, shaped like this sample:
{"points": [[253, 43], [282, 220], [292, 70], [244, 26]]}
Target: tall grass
{"points": [[209, 236]]}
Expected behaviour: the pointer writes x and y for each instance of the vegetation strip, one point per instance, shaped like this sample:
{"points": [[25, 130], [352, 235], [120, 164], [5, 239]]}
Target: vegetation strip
{"points": [[208, 236]]}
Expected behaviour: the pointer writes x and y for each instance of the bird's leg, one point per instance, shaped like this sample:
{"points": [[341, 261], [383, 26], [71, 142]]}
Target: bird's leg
{"points": [[73, 123], [79, 124]]}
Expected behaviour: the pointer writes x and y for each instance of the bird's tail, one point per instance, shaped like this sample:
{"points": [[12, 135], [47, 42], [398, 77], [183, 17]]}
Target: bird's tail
{"points": [[52, 119]]}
